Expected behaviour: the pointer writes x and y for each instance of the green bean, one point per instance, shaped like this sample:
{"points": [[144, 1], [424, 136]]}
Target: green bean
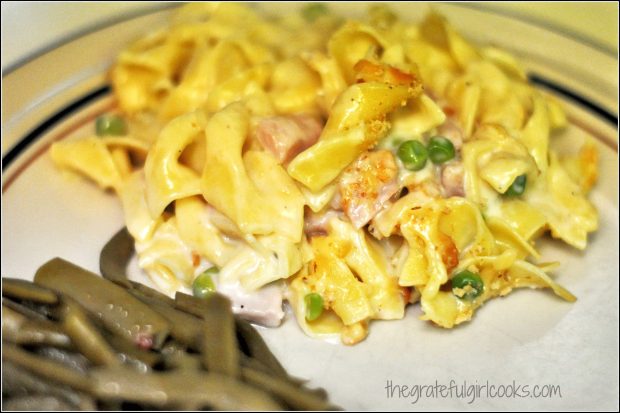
{"points": [[175, 357], [152, 293], [118, 310], [180, 387], [71, 359], [189, 304], [19, 329], [313, 11], [184, 327], [143, 360], [44, 403], [220, 352], [115, 256], [17, 381], [257, 347], [220, 347], [86, 338], [26, 290], [290, 393], [45, 368], [30, 310]]}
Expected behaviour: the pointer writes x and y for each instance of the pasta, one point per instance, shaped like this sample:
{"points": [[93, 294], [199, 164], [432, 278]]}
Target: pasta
{"points": [[349, 167]]}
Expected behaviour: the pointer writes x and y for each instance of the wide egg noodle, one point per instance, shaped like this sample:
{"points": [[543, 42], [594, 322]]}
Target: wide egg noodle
{"points": [[357, 122], [168, 261], [568, 212], [105, 160], [166, 178], [199, 233], [252, 189]]}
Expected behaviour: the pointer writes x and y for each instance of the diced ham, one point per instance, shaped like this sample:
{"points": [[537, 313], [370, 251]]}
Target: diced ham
{"points": [[452, 175], [452, 131], [263, 306], [287, 136], [316, 223], [367, 185]]}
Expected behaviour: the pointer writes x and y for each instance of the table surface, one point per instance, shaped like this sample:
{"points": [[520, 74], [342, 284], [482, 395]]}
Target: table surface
{"points": [[29, 28]]}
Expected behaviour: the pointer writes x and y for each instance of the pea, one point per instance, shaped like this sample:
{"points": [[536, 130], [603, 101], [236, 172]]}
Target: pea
{"points": [[469, 282], [440, 149], [313, 11], [110, 125], [314, 306], [413, 155], [518, 186], [203, 284]]}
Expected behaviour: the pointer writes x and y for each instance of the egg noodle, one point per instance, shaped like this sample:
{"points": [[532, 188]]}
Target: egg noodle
{"points": [[281, 151]]}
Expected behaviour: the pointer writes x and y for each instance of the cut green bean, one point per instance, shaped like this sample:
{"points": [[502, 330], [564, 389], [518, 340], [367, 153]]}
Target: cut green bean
{"points": [[189, 304], [184, 327], [19, 329], [17, 381], [86, 338], [220, 352], [313, 11], [69, 358], [118, 310], [258, 348], [45, 368], [115, 256], [152, 293], [43, 403], [180, 387], [29, 309], [295, 397], [26, 290], [175, 357], [144, 360]]}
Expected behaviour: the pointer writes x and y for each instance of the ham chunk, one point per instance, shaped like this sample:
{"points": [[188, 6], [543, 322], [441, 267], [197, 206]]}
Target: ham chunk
{"points": [[317, 223], [451, 130], [452, 175], [287, 136], [367, 185]]}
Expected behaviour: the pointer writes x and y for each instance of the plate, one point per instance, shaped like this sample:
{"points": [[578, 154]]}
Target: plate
{"points": [[529, 350]]}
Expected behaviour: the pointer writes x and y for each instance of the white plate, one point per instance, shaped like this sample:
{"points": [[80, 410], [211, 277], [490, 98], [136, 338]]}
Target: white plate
{"points": [[530, 338]]}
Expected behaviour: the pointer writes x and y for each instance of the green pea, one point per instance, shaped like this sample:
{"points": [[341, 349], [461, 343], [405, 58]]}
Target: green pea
{"points": [[110, 125], [468, 281], [440, 149], [413, 155], [203, 284], [313, 11], [314, 306], [518, 186]]}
